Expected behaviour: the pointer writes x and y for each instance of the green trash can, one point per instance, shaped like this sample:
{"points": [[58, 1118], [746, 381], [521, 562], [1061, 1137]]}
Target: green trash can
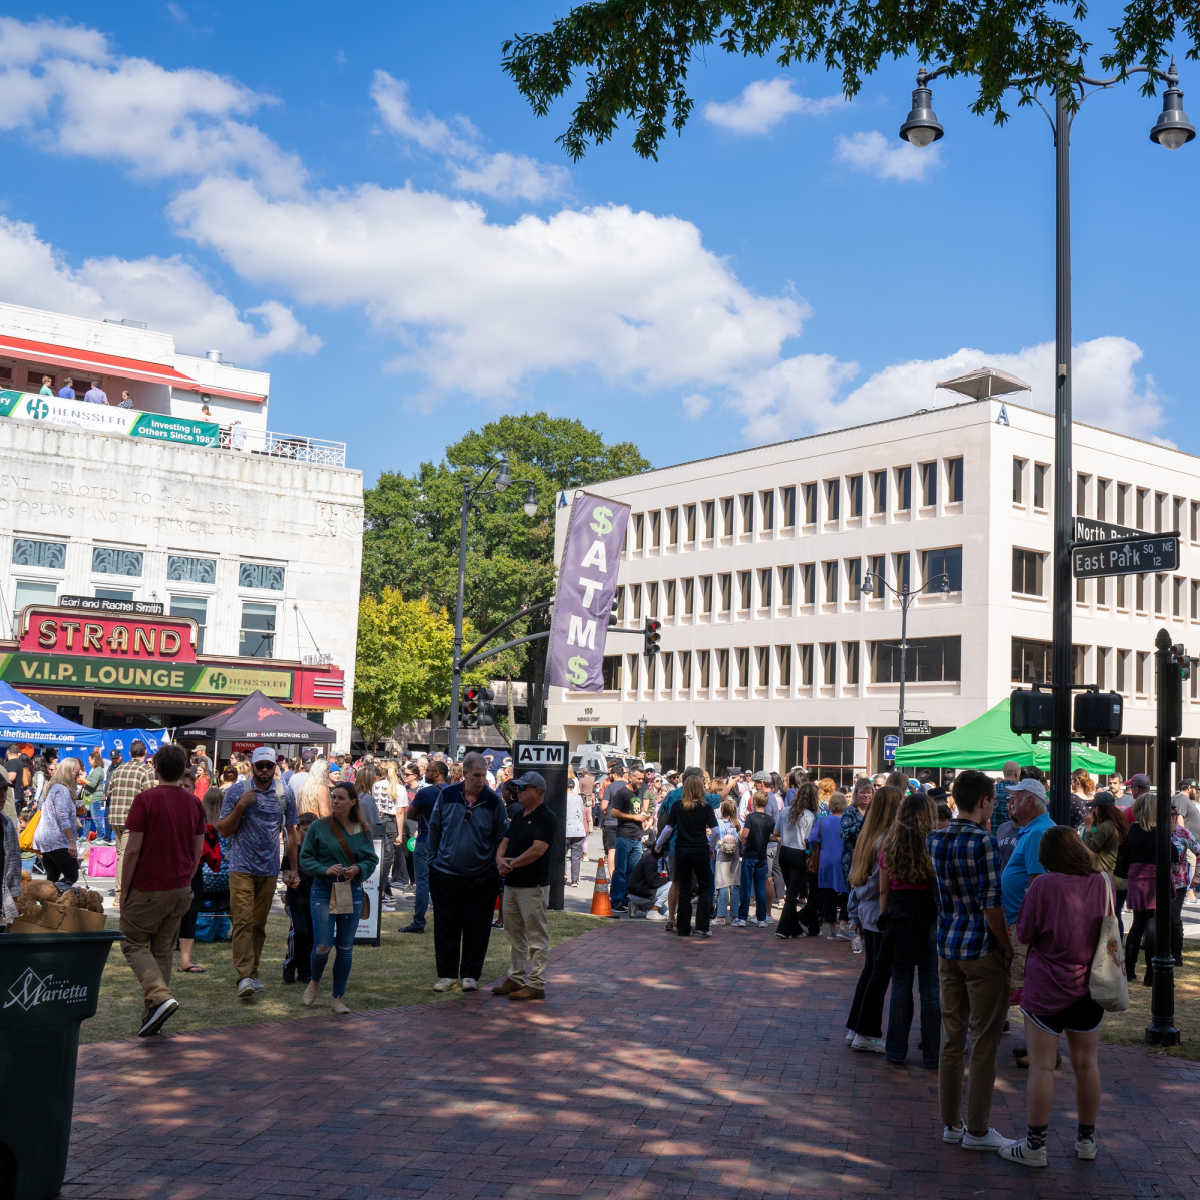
{"points": [[49, 983]]}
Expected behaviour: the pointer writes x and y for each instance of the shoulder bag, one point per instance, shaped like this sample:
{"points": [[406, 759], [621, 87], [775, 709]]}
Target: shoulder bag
{"points": [[342, 900], [1106, 981]]}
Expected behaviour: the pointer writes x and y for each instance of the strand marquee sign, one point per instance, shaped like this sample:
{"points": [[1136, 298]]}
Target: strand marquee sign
{"points": [[143, 656]]}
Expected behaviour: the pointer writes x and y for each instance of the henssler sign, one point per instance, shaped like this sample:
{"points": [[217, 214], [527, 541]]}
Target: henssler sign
{"points": [[105, 418]]}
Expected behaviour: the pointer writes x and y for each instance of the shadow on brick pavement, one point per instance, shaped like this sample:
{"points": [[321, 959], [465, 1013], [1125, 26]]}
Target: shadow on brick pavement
{"points": [[657, 1067]]}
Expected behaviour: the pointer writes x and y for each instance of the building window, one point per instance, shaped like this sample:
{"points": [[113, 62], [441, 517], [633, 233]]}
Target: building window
{"points": [[1018, 492], [1140, 593], [808, 495], [929, 660], [783, 659], [103, 593], [854, 495], [638, 527], [764, 587], [833, 499], [1160, 511], [706, 594], [654, 520], [954, 480], [668, 671], [808, 584], [1102, 592], [710, 519], [669, 599], [1103, 654], [1177, 598], [767, 500], [1122, 594], [762, 665], [948, 562], [903, 489], [902, 576], [830, 573], [685, 670], [853, 579], [1081, 493], [879, 491], [1103, 488], [689, 522], [195, 607], [723, 669], [1195, 530], [787, 501], [1030, 661], [30, 552], [633, 664], [1143, 507], [725, 586], [1027, 570], [689, 591], [741, 658], [635, 601], [672, 527], [806, 665], [829, 652], [850, 653], [264, 576], [704, 659], [786, 582], [1122, 503], [258, 630], [743, 579], [1078, 664], [1160, 595], [112, 560], [1123, 672], [1195, 601], [618, 605], [1177, 519], [182, 568], [748, 513], [928, 484], [652, 599], [30, 591], [1140, 678], [877, 565], [727, 516], [1081, 591], [1041, 476]]}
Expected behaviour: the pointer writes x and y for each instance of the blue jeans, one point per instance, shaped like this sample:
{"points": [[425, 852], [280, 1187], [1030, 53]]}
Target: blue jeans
{"points": [[100, 820], [900, 1014], [329, 931], [629, 854], [727, 901], [754, 879], [421, 871]]}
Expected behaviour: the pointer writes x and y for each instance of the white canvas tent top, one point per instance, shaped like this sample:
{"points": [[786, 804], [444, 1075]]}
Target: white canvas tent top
{"points": [[985, 382]]}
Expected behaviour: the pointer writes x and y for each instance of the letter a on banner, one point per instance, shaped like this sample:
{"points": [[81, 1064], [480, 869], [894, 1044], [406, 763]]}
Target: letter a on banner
{"points": [[587, 579]]}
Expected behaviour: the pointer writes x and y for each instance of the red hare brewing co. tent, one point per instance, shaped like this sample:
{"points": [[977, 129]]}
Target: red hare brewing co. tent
{"points": [[257, 719]]}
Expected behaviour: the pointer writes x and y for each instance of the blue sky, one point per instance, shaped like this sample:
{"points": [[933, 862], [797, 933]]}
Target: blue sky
{"points": [[365, 206]]}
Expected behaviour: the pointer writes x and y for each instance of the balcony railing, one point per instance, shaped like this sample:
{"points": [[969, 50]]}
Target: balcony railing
{"points": [[282, 445]]}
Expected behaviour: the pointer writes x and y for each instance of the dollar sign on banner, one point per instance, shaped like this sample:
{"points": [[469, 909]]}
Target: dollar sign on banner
{"points": [[577, 671], [601, 522]]}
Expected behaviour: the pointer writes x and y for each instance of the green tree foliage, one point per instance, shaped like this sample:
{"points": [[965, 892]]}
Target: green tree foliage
{"points": [[636, 53], [403, 662]]}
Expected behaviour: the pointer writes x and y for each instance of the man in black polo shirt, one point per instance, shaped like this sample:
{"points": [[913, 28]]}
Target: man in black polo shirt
{"points": [[521, 860]]}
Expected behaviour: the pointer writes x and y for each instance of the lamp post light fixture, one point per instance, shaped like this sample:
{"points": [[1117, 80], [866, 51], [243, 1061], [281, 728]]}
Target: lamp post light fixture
{"points": [[642, 736], [1172, 130], [472, 488], [873, 584]]}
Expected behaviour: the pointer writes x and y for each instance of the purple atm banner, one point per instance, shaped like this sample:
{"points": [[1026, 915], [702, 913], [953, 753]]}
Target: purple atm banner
{"points": [[587, 579]]}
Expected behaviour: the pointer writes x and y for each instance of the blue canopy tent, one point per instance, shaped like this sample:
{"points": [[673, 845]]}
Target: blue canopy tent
{"points": [[24, 720], [121, 739]]}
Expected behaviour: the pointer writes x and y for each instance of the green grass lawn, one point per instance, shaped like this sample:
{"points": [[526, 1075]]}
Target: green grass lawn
{"points": [[1129, 1028], [400, 970]]}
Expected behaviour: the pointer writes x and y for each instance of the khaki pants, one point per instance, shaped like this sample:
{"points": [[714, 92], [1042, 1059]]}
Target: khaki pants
{"points": [[150, 924], [525, 928], [975, 998], [122, 841], [250, 899]]}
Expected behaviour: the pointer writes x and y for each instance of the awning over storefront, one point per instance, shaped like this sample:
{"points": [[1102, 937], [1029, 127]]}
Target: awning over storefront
{"points": [[988, 742], [25, 720], [257, 719]]}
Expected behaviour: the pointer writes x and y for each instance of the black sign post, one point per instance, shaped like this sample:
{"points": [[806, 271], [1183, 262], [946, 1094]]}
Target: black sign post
{"points": [[549, 759], [1138, 555]]}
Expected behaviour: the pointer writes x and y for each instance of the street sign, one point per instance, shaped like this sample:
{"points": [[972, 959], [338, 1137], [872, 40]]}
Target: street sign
{"points": [[916, 727], [891, 743], [1089, 532], [1133, 557], [549, 759]]}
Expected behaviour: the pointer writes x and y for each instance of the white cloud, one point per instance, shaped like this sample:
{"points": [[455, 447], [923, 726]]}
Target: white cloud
{"points": [[25, 43], [695, 405], [764, 103], [169, 293], [886, 158], [503, 176], [481, 306]]}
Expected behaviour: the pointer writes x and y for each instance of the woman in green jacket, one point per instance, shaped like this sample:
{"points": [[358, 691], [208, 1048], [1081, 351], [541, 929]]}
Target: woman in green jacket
{"points": [[336, 849]]}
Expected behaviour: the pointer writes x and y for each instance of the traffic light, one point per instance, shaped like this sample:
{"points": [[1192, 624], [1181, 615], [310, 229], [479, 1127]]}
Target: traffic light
{"points": [[469, 715], [486, 714], [652, 636]]}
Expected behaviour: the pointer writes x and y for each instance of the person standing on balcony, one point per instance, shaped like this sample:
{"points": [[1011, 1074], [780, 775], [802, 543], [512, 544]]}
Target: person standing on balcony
{"points": [[67, 392], [95, 394], [47, 389], [126, 400]]}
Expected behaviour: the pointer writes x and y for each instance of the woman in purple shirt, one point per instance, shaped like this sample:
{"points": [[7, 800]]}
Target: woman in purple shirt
{"points": [[1060, 922]]}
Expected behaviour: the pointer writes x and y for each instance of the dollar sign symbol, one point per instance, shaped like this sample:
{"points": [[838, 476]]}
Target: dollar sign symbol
{"points": [[577, 670], [601, 520]]}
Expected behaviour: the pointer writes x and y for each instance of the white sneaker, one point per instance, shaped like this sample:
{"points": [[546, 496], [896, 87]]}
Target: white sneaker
{"points": [[762, 924], [258, 985], [245, 989], [717, 921], [444, 985], [739, 924], [856, 945], [1085, 1148], [469, 984], [850, 1036], [992, 1140], [873, 1045], [1022, 1152], [953, 1134], [655, 915]]}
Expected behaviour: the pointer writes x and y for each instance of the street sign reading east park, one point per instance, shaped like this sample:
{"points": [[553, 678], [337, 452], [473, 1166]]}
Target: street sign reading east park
{"points": [[1126, 558]]}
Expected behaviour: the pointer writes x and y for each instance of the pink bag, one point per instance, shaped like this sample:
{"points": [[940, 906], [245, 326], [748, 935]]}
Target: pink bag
{"points": [[102, 862]]}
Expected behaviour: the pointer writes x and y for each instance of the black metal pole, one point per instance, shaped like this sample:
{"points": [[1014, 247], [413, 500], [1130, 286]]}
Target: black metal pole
{"points": [[1060, 738], [904, 601], [1162, 1031], [456, 653]]}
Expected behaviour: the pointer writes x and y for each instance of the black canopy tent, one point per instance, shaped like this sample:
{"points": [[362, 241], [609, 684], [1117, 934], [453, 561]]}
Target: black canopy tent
{"points": [[257, 719]]}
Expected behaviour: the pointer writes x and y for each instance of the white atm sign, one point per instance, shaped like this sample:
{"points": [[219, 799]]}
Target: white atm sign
{"points": [[540, 754]]}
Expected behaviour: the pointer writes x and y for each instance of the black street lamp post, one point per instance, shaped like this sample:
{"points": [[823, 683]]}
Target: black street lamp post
{"points": [[1172, 130]]}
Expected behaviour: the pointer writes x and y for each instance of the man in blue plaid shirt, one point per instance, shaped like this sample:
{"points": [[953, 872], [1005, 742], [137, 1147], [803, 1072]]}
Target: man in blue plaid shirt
{"points": [[974, 953]]}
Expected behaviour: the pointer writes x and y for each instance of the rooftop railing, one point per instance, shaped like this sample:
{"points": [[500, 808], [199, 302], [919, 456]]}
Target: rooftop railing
{"points": [[292, 446]]}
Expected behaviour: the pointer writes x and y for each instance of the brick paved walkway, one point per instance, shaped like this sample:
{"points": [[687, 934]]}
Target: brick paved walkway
{"points": [[658, 1068]]}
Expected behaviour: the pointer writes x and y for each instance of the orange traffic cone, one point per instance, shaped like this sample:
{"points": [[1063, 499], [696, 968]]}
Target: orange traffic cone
{"points": [[600, 903]]}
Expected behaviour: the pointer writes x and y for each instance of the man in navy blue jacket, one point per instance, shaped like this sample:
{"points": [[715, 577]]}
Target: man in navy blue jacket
{"points": [[465, 831]]}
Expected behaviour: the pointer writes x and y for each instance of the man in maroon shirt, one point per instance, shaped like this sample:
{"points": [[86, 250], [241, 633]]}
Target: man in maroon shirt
{"points": [[166, 834]]}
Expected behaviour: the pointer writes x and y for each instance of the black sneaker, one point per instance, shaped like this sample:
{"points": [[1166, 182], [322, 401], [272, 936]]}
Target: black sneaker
{"points": [[411, 929], [157, 1017]]}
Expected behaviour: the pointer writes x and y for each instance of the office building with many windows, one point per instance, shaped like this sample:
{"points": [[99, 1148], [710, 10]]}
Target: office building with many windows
{"points": [[774, 653]]}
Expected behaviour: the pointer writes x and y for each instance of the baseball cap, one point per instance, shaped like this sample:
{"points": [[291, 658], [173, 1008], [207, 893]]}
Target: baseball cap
{"points": [[1186, 783], [1141, 779], [761, 777], [530, 779], [1031, 787], [262, 754]]}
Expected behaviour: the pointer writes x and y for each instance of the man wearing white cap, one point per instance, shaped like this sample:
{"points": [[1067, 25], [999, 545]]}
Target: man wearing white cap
{"points": [[1027, 808], [254, 814], [525, 868]]}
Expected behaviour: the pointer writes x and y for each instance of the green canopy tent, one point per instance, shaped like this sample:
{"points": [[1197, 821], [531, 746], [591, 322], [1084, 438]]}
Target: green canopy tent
{"points": [[988, 742]]}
